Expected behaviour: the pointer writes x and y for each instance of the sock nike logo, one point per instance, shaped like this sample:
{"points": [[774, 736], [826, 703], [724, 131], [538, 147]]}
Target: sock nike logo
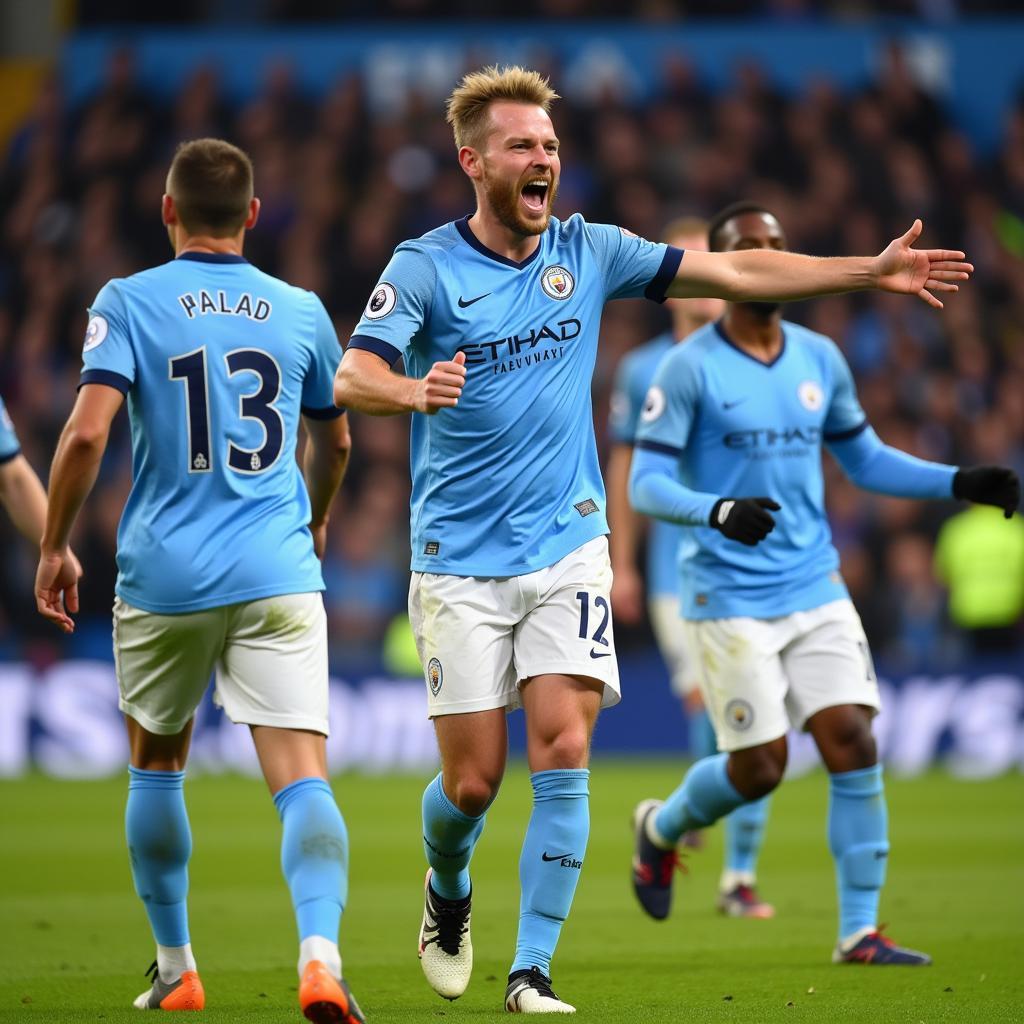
{"points": [[463, 303], [558, 856]]}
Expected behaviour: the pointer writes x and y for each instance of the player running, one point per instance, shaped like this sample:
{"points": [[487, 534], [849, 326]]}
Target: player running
{"points": [[729, 445], [498, 314], [217, 551], [744, 828]]}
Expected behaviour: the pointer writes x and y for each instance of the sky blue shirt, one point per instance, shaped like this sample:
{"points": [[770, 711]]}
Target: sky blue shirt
{"points": [[216, 359], [9, 446], [633, 378], [508, 481], [737, 427]]}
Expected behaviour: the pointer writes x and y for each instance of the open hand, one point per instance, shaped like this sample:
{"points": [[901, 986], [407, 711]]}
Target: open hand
{"points": [[901, 268]]}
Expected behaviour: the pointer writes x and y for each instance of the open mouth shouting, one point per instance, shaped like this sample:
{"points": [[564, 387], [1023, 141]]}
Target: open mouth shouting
{"points": [[535, 195]]}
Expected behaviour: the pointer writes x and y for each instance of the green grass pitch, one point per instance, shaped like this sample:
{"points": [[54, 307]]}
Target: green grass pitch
{"points": [[74, 943]]}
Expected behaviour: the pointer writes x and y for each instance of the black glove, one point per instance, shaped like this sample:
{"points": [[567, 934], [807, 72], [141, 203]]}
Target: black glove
{"points": [[988, 485], [744, 519]]}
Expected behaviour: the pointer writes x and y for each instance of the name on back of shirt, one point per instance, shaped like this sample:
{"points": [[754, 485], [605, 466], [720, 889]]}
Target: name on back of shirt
{"points": [[218, 303]]}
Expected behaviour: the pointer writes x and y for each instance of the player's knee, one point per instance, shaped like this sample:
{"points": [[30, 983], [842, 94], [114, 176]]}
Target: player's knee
{"points": [[863, 866], [568, 748], [853, 747], [756, 777], [474, 794]]}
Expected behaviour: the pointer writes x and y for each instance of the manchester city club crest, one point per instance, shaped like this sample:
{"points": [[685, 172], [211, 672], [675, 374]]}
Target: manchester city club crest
{"points": [[557, 283], [739, 714], [810, 395], [435, 677]]}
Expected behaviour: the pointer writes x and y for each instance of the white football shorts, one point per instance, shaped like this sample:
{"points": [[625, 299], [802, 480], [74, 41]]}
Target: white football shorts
{"points": [[479, 638], [269, 656], [667, 625], [761, 676]]}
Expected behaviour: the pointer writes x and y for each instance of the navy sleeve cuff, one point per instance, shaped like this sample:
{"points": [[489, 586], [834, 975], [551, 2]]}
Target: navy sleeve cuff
{"points": [[7, 456], [846, 435], [387, 352], [108, 377], [330, 412], [657, 446], [656, 290]]}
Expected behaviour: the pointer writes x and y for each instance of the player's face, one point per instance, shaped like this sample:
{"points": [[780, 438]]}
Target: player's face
{"points": [[703, 310], [753, 231], [520, 167]]}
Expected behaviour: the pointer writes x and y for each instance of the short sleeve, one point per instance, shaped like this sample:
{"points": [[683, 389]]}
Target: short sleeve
{"points": [[845, 417], [399, 305], [107, 354], [671, 404], [624, 410], [9, 446], [633, 267], [318, 387]]}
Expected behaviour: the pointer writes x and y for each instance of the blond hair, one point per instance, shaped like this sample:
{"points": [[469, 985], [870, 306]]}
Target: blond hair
{"points": [[469, 102], [685, 227]]}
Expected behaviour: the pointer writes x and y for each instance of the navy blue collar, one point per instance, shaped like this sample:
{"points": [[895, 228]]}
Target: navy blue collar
{"points": [[212, 257], [462, 226], [720, 328]]}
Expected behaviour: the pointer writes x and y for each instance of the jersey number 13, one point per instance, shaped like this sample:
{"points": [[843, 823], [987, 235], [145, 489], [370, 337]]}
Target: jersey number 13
{"points": [[258, 405]]}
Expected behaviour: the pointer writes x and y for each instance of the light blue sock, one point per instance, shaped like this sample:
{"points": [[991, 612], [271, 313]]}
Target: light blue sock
{"points": [[744, 833], [159, 846], [314, 855], [858, 829], [550, 863], [701, 735], [705, 795], [449, 838]]}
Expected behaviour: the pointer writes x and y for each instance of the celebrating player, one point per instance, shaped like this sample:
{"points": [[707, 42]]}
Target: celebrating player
{"points": [[498, 314], [217, 551], [729, 445], [744, 828]]}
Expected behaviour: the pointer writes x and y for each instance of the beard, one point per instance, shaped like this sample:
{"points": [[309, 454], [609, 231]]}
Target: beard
{"points": [[763, 308], [503, 198]]}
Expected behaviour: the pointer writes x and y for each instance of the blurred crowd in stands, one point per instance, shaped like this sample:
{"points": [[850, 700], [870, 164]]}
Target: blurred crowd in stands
{"points": [[342, 183], [101, 12]]}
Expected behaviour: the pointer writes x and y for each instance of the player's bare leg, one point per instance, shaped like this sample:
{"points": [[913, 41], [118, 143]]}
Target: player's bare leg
{"points": [[473, 750], [560, 716], [159, 844], [314, 858], [858, 834]]}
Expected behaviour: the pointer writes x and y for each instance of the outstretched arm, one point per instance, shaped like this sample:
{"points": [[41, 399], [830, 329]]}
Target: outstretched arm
{"points": [[72, 475], [752, 274], [365, 382]]}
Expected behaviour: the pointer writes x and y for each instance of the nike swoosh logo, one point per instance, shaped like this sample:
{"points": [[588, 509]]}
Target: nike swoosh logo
{"points": [[600, 654], [558, 856], [732, 405], [463, 303]]}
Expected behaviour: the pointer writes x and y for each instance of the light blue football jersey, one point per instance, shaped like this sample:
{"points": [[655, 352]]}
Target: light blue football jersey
{"points": [[633, 379], [217, 359], [742, 428], [508, 481], [9, 446]]}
